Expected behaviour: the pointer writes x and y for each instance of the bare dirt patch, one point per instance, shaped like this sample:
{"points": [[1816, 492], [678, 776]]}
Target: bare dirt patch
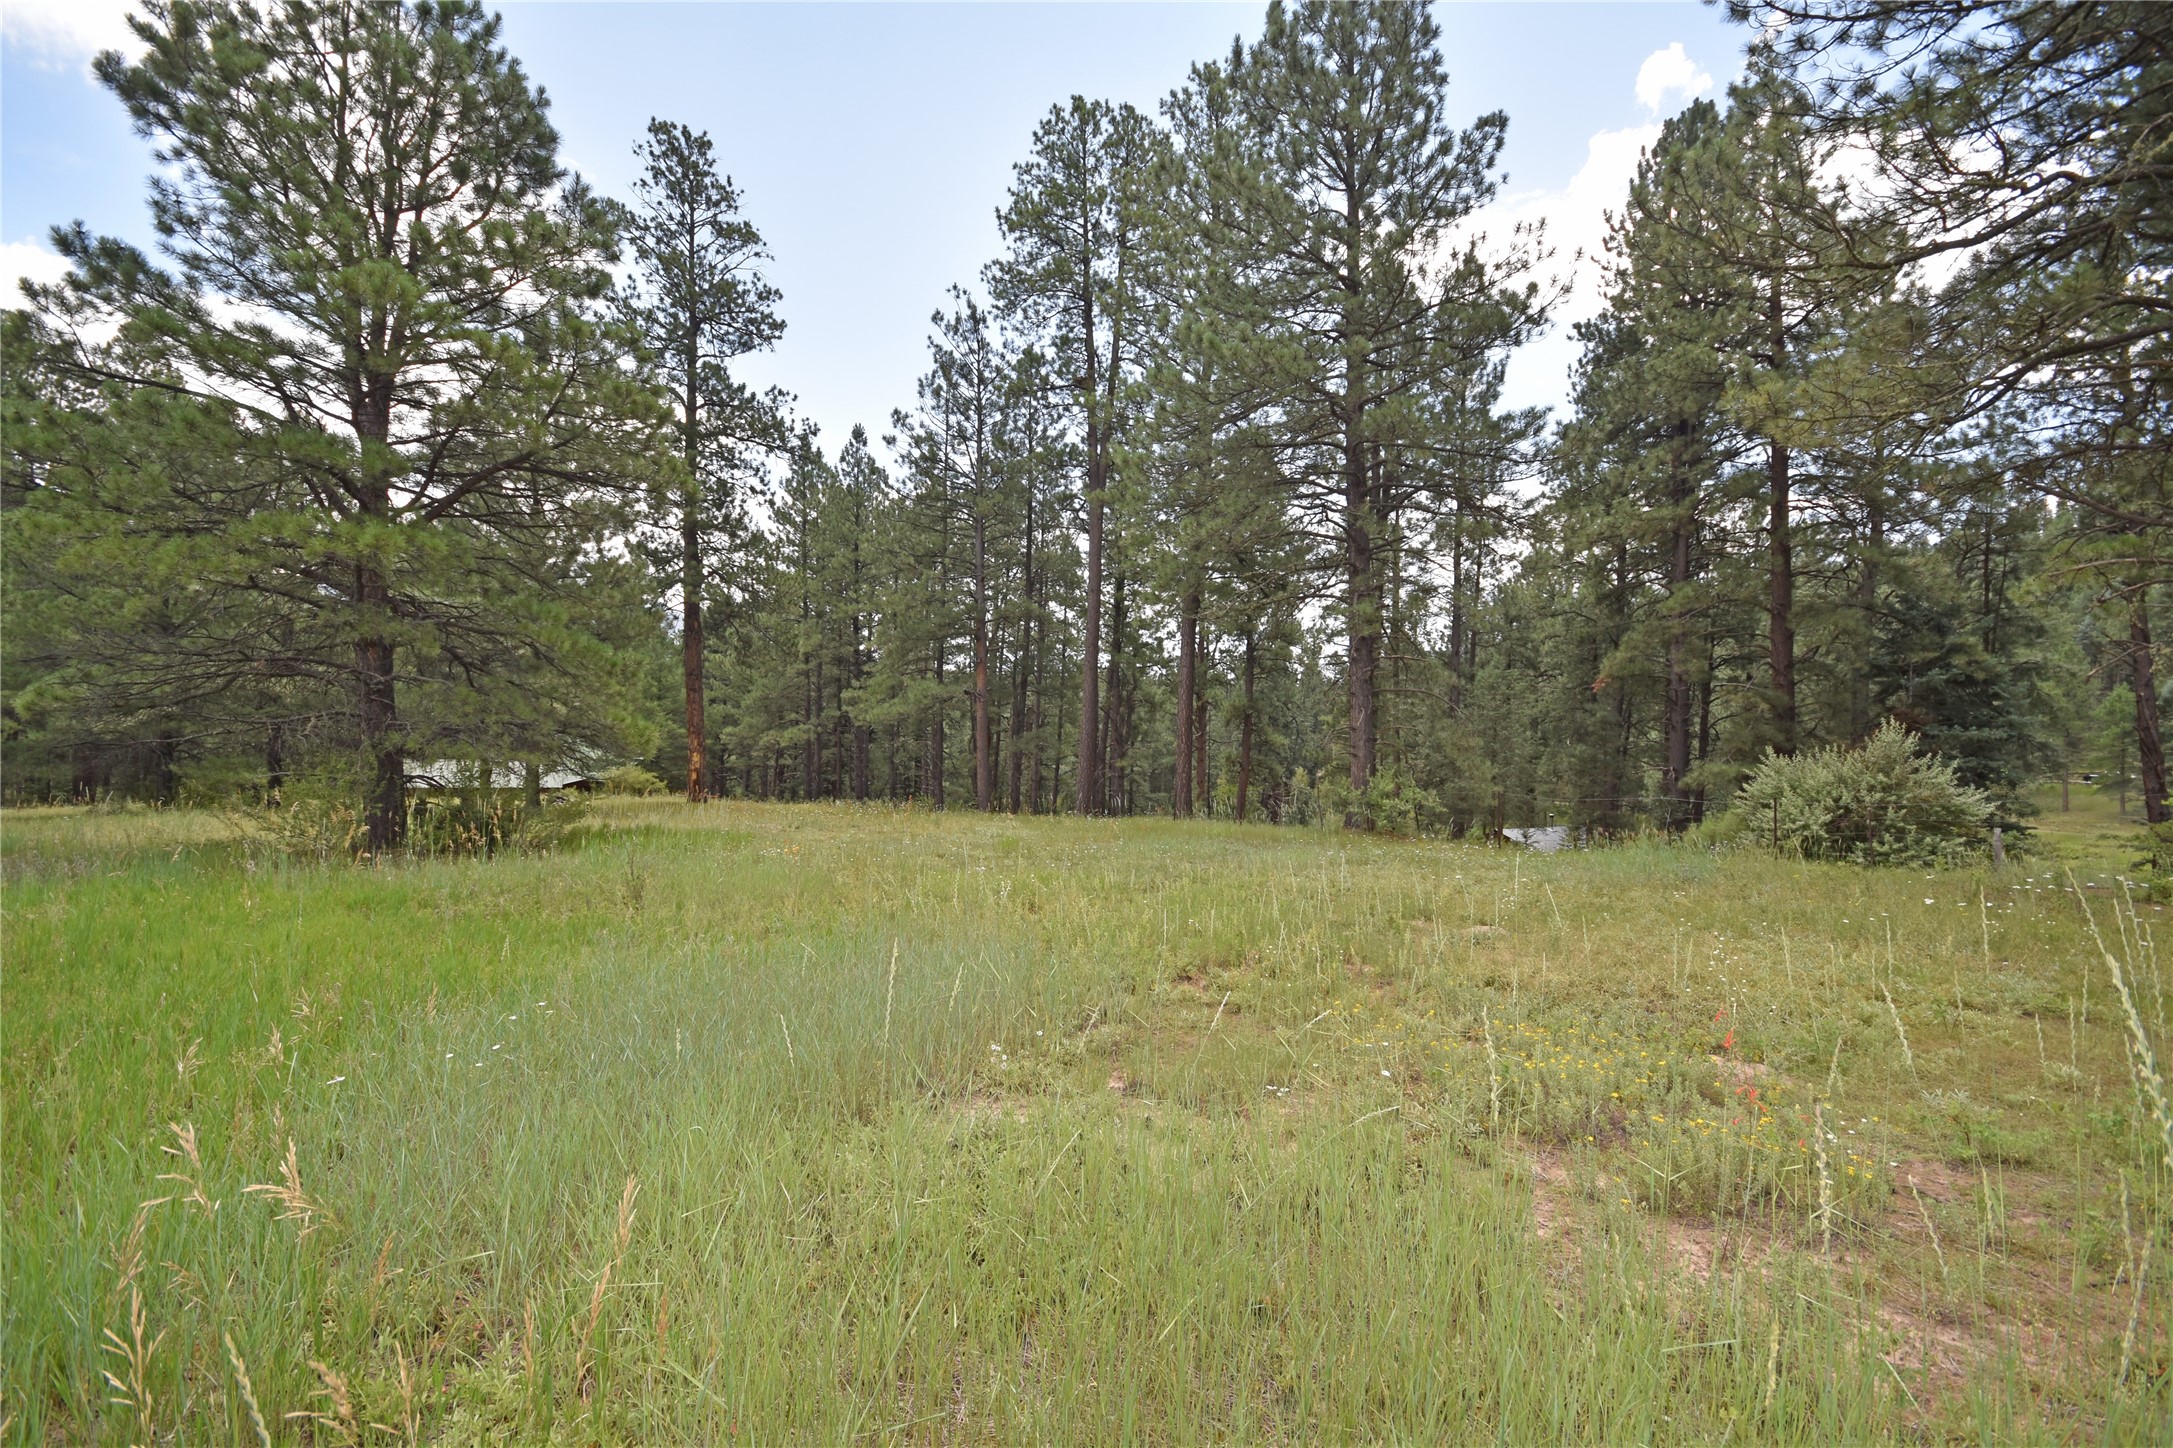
{"points": [[1739, 1072], [988, 1106]]}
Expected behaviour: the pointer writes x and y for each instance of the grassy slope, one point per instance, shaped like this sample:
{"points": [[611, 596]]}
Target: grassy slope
{"points": [[952, 1129]]}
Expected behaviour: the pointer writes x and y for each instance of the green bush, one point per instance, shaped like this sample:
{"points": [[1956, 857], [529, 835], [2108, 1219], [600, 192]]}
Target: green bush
{"points": [[1394, 804], [1303, 806], [1883, 804], [632, 779]]}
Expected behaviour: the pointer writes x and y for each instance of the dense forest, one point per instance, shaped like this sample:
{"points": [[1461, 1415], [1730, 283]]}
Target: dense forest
{"points": [[409, 446]]}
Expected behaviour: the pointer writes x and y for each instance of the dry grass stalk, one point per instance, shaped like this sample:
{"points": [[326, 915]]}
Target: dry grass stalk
{"points": [[1493, 1071], [132, 1388], [1824, 1216], [381, 1274], [191, 1181], [341, 1420], [890, 993], [248, 1392], [584, 1358], [295, 1204], [1908, 1056], [1773, 1366], [410, 1425], [1925, 1212], [129, 1260], [2139, 1272], [2149, 1079], [186, 1285]]}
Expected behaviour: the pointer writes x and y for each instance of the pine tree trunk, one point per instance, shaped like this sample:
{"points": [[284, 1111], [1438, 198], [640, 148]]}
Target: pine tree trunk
{"points": [[1244, 734], [1205, 798], [1089, 768], [1705, 732], [1187, 645], [1781, 603], [811, 757], [1365, 641], [1781, 567], [275, 762], [163, 781], [1110, 755], [691, 647], [1456, 612], [860, 655], [1676, 771], [1056, 753], [1471, 626], [1089, 783], [935, 744], [1867, 608], [1024, 666], [984, 777], [2149, 744], [1017, 760], [1358, 521], [384, 748], [692, 643], [386, 794]]}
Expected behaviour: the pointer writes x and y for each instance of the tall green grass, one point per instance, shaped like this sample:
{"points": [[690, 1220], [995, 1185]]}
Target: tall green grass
{"points": [[952, 1129]]}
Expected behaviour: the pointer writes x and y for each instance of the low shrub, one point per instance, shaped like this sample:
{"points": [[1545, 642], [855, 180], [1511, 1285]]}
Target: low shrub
{"points": [[1393, 804], [1885, 803], [632, 779]]}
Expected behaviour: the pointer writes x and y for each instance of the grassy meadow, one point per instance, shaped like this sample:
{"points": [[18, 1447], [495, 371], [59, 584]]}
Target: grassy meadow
{"points": [[828, 1124]]}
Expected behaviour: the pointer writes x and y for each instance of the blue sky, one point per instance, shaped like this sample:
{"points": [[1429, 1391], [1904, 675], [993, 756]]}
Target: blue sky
{"points": [[872, 143]]}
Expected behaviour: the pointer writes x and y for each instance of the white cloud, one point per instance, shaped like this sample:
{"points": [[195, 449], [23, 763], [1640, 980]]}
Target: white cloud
{"points": [[27, 260], [1669, 74], [1575, 218], [61, 33], [1576, 215]]}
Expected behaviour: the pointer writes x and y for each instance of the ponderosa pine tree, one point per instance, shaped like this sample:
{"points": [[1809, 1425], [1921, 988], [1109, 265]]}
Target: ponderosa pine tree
{"points": [[1038, 457], [1763, 215], [1073, 225], [701, 300], [386, 328], [1336, 202], [951, 444], [863, 488], [1648, 442], [2021, 147]]}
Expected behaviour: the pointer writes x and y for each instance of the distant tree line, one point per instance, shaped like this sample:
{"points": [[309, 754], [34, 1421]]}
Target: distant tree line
{"points": [[1208, 502]]}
